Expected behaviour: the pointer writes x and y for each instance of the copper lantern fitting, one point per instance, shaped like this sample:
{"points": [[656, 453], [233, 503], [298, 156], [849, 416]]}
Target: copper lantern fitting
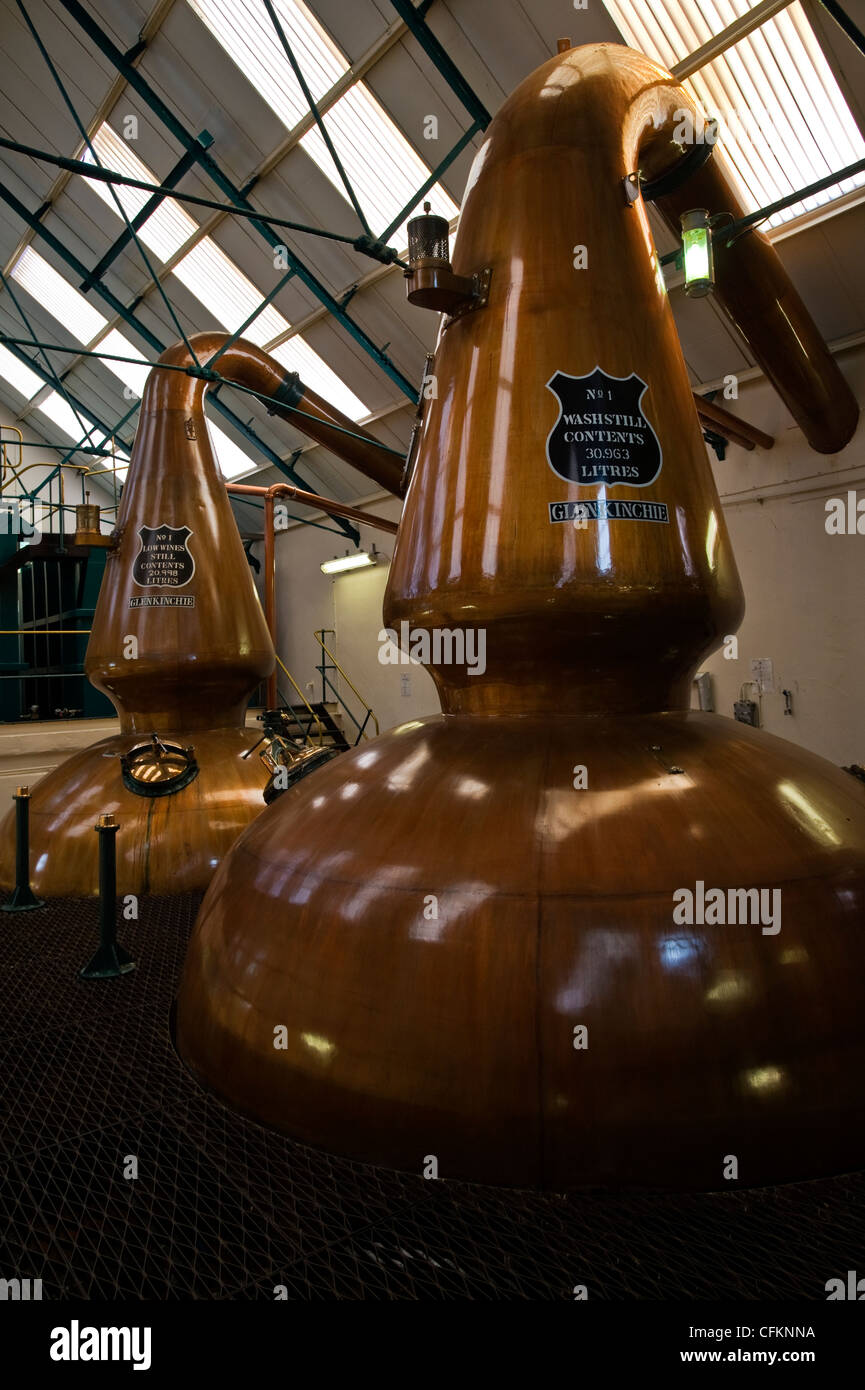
{"points": [[431, 282]]}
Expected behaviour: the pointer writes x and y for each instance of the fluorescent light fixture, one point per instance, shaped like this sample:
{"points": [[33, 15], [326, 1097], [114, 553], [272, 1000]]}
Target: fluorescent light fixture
{"points": [[358, 561], [169, 226], [230, 296], [15, 374], [382, 166], [784, 121], [55, 294], [297, 356]]}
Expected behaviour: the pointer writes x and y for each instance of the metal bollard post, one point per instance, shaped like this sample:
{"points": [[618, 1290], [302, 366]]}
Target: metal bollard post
{"points": [[110, 959], [23, 898]]}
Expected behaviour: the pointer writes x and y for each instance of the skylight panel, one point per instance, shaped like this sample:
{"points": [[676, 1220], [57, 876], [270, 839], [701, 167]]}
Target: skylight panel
{"points": [[230, 296], [166, 229], [131, 375], [60, 413], [784, 121], [245, 31], [296, 355], [382, 166], [231, 458], [206, 271], [55, 294], [63, 417], [14, 373]]}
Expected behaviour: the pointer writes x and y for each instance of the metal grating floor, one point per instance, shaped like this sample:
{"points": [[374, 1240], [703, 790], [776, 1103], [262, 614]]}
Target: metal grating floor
{"points": [[223, 1209]]}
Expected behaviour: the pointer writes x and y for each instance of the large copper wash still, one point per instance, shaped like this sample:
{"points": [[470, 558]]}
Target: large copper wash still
{"points": [[493, 936], [179, 643]]}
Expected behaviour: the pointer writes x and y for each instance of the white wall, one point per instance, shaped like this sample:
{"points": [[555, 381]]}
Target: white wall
{"points": [[804, 589], [351, 605], [47, 459]]}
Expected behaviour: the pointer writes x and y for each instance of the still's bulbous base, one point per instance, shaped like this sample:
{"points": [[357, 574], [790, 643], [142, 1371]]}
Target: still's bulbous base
{"points": [[167, 844], [392, 961]]}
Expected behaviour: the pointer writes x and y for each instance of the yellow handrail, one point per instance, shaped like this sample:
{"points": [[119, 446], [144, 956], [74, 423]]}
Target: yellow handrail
{"points": [[305, 701], [367, 706], [4, 445]]}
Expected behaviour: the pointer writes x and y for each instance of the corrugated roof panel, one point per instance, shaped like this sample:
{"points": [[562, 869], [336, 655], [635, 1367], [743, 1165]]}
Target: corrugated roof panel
{"points": [[169, 226], [383, 168], [132, 376], [55, 294], [784, 120], [18, 376], [64, 417], [232, 460], [61, 414], [230, 296], [245, 31], [296, 355]]}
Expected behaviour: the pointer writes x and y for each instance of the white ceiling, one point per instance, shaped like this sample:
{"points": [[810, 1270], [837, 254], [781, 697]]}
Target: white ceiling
{"points": [[493, 45]]}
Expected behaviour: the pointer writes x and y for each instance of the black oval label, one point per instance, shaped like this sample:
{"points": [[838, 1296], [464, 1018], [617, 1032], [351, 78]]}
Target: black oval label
{"points": [[602, 435]]}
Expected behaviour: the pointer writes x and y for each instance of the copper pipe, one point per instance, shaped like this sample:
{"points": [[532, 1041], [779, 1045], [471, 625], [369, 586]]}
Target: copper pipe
{"points": [[247, 365], [755, 291], [734, 430], [311, 499], [365, 453]]}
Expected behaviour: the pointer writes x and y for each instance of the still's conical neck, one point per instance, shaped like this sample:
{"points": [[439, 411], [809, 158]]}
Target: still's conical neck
{"points": [[566, 391], [179, 641]]}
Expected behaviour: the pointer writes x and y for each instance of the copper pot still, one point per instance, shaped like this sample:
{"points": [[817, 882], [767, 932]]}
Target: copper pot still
{"points": [[471, 939], [179, 643]]}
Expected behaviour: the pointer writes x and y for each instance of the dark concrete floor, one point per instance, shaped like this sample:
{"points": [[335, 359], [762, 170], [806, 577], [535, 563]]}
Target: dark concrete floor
{"points": [[223, 1209]]}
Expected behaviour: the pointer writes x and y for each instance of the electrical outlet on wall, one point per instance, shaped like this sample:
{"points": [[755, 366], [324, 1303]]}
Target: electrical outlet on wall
{"points": [[405, 685]]}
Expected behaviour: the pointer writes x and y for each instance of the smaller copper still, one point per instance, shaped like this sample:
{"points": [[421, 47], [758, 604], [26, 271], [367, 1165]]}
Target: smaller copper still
{"points": [[179, 643]]}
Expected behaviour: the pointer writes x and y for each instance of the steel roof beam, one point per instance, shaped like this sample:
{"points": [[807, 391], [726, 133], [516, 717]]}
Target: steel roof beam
{"points": [[149, 30], [214, 171], [172, 178], [415, 20], [33, 221], [354, 74]]}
